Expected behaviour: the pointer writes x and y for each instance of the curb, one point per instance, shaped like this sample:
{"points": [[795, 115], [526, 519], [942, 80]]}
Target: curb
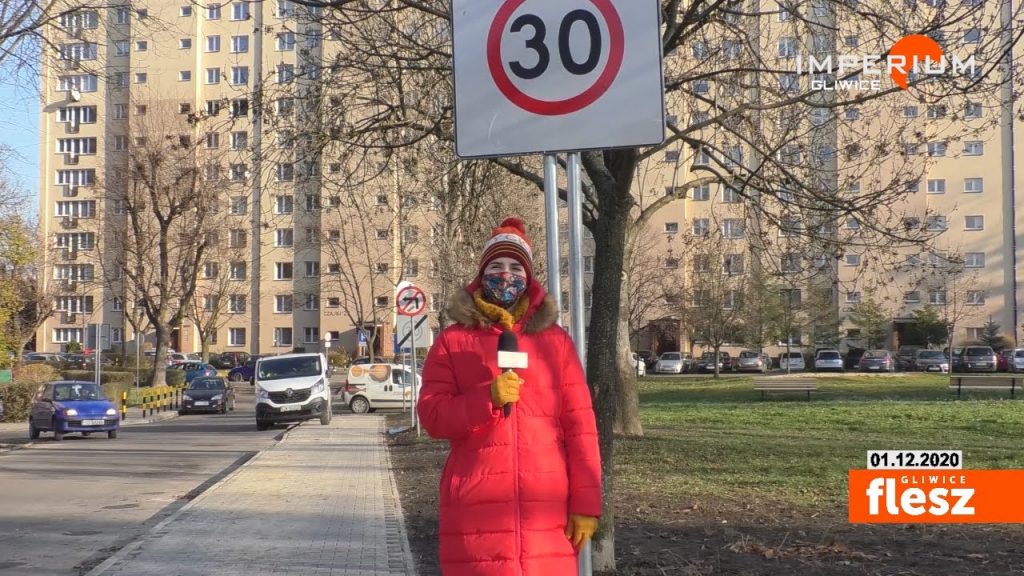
{"points": [[142, 538], [169, 415], [410, 562]]}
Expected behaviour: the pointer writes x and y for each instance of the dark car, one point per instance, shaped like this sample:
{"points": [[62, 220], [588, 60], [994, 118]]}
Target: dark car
{"points": [[228, 360], [877, 361], [243, 372], [905, 357], [852, 358], [706, 363], [978, 359], [207, 394], [67, 406], [954, 359]]}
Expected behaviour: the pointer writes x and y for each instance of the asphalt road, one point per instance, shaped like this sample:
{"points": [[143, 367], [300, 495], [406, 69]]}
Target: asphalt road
{"points": [[64, 507]]}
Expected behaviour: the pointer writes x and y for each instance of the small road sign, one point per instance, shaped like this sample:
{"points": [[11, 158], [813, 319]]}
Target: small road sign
{"points": [[410, 301], [556, 75]]}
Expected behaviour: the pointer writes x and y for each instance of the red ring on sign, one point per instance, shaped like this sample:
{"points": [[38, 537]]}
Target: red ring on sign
{"points": [[516, 96]]}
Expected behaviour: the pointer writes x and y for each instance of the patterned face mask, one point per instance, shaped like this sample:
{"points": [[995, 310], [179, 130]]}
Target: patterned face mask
{"points": [[503, 288]]}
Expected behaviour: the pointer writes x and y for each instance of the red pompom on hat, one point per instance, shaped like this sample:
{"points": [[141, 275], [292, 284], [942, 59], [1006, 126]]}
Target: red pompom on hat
{"points": [[509, 240]]}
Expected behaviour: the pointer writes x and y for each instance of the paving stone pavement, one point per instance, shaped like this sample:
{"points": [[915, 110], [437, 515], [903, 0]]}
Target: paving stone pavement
{"points": [[321, 502]]}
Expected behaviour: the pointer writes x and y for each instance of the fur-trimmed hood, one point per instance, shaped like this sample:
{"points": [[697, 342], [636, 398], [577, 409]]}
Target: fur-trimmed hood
{"points": [[542, 312]]}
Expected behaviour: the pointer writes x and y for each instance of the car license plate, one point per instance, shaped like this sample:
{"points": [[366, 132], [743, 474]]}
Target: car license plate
{"points": [[291, 408], [92, 422], [202, 403], [934, 368], [873, 367]]}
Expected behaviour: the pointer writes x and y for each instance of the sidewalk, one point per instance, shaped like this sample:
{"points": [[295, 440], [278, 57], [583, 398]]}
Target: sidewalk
{"points": [[321, 502], [14, 435]]}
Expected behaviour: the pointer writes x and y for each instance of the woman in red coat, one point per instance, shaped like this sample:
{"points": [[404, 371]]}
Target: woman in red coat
{"points": [[519, 494]]}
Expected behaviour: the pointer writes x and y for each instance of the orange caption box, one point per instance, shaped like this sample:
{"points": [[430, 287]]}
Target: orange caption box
{"points": [[936, 496]]}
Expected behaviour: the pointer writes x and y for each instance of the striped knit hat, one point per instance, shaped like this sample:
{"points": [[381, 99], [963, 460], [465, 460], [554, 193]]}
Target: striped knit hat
{"points": [[509, 240]]}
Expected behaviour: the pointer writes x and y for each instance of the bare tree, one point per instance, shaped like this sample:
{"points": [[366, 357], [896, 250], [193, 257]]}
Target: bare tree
{"points": [[26, 300], [167, 200]]}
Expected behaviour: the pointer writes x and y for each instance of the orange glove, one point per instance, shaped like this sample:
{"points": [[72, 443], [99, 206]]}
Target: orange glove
{"points": [[505, 389], [579, 529]]}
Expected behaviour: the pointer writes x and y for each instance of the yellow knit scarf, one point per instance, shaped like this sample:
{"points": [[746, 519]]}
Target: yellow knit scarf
{"points": [[499, 315]]}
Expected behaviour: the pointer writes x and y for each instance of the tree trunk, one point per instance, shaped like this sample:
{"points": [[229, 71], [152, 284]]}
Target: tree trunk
{"points": [[716, 348], [204, 343], [627, 413], [158, 377]]}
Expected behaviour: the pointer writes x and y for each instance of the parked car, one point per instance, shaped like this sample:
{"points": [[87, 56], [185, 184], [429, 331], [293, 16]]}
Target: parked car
{"points": [[669, 363], [954, 358], [1004, 359], [44, 357], [793, 360], [877, 361], [228, 360], [978, 359], [1, 410], [244, 372], [77, 362], [648, 358], [207, 394], [194, 370], [750, 361], [827, 359], [639, 364], [905, 356], [706, 362], [170, 359], [1018, 360], [931, 361], [67, 406]]}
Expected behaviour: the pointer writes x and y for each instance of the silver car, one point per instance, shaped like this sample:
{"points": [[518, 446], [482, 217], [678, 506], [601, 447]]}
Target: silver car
{"points": [[1018, 360], [669, 363], [750, 361], [828, 360], [931, 361]]}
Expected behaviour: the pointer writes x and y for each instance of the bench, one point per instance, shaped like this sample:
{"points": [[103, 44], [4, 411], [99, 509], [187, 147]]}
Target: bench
{"points": [[961, 383], [785, 384]]}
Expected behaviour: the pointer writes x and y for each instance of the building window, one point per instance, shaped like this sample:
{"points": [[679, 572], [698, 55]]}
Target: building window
{"points": [[185, 76], [312, 302], [211, 270], [284, 238], [974, 260], [936, 223], [184, 43], [936, 149], [411, 268], [141, 45], [701, 263], [239, 44], [701, 226], [937, 186], [239, 75], [671, 156], [283, 271], [239, 10], [382, 302], [120, 143], [730, 195], [789, 226], [974, 185], [236, 304], [972, 36], [311, 335], [975, 297], [236, 336], [237, 271], [185, 11], [853, 259], [974, 148], [283, 303], [973, 110], [312, 269], [790, 263], [65, 335], [333, 268], [286, 41], [122, 16], [121, 48], [974, 222], [213, 12], [213, 43], [334, 302], [237, 238], [936, 297], [732, 264], [671, 263], [702, 192], [733, 228], [912, 297], [910, 111], [285, 73], [787, 46], [285, 172], [671, 227], [140, 77]]}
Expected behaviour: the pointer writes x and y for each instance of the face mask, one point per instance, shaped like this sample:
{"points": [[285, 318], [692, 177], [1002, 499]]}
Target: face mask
{"points": [[503, 288]]}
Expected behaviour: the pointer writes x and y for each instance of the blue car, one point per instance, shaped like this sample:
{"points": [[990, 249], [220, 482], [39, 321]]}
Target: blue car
{"points": [[67, 406], [244, 372], [194, 370]]}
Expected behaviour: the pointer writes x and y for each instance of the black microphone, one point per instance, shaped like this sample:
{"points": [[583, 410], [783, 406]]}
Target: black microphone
{"points": [[509, 357]]}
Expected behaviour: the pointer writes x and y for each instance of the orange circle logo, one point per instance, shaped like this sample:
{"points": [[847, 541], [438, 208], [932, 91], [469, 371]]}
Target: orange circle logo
{"points": [[380, 372]]}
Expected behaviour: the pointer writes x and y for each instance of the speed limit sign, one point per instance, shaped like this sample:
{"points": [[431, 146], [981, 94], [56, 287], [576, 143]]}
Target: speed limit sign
{"points": [[556, 75]]}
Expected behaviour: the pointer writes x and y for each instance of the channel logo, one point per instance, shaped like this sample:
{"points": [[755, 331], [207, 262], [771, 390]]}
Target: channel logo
{"points": [[936, 496]]}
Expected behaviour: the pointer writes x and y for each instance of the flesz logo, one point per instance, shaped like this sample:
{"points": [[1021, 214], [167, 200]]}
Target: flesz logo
{"points": [[932, 496]]}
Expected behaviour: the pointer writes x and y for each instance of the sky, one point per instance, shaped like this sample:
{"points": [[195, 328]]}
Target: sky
{"points": [[19, 130]]}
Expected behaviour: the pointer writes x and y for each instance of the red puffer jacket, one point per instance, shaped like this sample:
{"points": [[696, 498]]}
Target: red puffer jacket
{"points": [[509, 484]]}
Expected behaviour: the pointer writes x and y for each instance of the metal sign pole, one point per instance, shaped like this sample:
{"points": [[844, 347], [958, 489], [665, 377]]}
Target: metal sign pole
{"points": [[415, 392], [551, 223], [577, 329], [96, 353]]}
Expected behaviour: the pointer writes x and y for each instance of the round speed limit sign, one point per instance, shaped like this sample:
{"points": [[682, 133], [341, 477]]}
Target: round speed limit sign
{"points": [[553, 75]]}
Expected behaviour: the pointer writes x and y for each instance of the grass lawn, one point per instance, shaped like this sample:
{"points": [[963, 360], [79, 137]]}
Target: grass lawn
{"points": [[718, 439]]}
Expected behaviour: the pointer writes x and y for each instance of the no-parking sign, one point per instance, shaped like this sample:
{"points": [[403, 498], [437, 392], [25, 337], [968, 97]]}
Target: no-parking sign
{"points": [[556, 75]]}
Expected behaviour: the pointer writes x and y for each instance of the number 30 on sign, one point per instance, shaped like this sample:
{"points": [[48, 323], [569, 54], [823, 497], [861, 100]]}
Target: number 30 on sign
{"points": [[551, 75]]}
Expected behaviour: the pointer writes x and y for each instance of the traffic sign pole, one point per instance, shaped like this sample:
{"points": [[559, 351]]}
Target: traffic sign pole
{"points": [[551, 223], [415, 392]]}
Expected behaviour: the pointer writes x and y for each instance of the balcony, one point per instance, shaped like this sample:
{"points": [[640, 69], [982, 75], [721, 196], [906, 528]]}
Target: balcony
{"points": [[71, 159], [70, 191], [70, 254], [68, 317], [69, 223], [71, 126]]}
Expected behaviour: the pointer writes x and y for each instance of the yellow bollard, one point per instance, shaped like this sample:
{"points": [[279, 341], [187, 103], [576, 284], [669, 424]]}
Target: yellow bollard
{"points": [[124, 404]]}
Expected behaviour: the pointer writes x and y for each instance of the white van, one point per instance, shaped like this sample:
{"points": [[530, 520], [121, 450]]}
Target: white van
{"points": [[292, 388], [372, 386]]}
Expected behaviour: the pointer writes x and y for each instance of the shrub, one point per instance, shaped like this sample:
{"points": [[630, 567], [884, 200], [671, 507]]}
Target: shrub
{"points": [[339, 358], [36, 372], [17, 399]]}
